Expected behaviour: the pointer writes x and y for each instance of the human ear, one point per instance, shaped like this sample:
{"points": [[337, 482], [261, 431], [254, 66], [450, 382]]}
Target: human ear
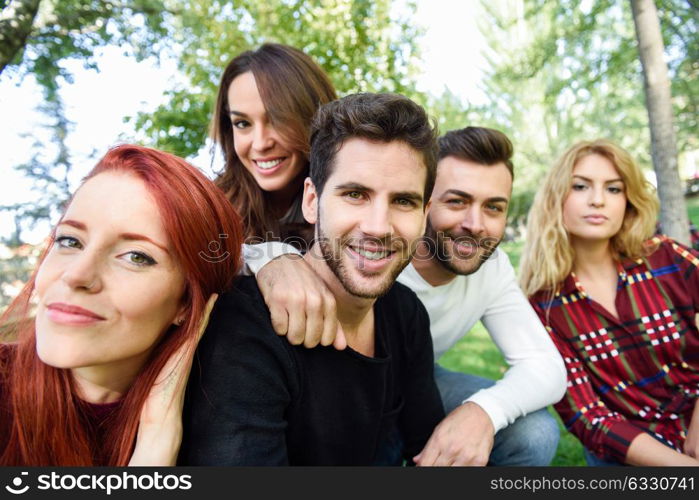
{"points": [[309, 205], [426, 214], [181, 315]]}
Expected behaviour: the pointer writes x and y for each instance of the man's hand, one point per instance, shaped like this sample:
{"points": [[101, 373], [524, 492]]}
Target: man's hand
{"points": [[464, 437], [691, 444], [299, 303]]}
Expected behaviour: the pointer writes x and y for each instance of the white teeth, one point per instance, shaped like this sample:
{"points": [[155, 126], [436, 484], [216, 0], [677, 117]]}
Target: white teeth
{"points": [[467, 246], [372, 255], [264, 165]]}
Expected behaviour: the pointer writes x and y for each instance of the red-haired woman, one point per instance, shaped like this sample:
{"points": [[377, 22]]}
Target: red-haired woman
{"points": [[97, 376]]}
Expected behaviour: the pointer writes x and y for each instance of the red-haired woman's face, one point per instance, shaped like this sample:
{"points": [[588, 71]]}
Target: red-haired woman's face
{"points": [[257, 143], [109, 287]]}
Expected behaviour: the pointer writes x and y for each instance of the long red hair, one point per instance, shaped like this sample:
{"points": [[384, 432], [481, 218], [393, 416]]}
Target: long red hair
{"points": [[44, 424]]}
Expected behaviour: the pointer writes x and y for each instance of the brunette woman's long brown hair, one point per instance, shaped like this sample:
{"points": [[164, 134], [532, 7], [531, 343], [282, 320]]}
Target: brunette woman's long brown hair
{"points": [[292, 88], [40, 412]]}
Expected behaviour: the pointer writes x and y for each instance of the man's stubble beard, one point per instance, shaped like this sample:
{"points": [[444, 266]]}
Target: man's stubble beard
{"points": [[336, 265], [436, 244]]}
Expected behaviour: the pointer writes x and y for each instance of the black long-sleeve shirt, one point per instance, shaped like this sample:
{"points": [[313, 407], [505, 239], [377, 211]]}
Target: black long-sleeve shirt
{"points": [[254, 399]]}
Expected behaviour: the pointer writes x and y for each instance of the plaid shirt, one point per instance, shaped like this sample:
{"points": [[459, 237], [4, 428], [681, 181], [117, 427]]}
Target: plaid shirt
{"points": [[640, 372]]}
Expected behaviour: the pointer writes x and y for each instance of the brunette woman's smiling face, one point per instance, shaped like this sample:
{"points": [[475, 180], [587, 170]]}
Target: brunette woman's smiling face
{"points": [[260, 147], [109, 287]]}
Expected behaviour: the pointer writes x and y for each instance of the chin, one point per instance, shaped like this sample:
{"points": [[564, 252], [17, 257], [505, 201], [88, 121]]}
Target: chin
{"points": [[54, 359], [463, 266], [468, 268], [594, 235], [359, 284], [274, 185], [371, 288], [367, 292], [53, 352]]}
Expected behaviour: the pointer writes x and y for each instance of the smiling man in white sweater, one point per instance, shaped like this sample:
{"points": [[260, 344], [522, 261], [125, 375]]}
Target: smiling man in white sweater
{"points": [[461, 278]]}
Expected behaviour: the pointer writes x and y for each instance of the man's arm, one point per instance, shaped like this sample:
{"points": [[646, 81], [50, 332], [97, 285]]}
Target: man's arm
{"points": [[535, 379], [536, 376], [241, 385], [300, 304], [464, 437], [257, 256]]}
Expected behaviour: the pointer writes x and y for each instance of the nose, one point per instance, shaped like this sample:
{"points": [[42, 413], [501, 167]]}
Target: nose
{"points": [[596, 197], [473, 220], [83, 273], [263, 137], [376, 221]]}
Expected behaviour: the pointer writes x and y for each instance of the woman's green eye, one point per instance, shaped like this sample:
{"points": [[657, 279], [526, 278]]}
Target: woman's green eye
{"points": [[67, 242], [140, 259]]}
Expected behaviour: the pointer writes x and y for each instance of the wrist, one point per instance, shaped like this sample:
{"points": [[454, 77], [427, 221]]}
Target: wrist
{"points": [[483, 415], [156, 447]]}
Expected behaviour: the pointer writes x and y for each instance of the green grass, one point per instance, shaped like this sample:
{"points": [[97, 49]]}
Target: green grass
{"points": [[477, 354], [693, 209]]}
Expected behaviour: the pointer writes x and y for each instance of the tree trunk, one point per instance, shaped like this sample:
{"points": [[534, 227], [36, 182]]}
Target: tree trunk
{"points": [[16, 21], [673, 210]]}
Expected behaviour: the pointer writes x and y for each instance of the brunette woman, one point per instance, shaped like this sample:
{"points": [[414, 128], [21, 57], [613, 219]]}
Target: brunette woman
{"points": [[264, 108], [108, 323], [619, 306], [262, 119]]}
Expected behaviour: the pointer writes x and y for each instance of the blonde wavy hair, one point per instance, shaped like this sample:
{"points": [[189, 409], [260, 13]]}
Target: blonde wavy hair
{"points": [[548, 255]]}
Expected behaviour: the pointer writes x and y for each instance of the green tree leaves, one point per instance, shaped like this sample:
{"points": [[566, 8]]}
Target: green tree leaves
{"points": [[361, 44]]}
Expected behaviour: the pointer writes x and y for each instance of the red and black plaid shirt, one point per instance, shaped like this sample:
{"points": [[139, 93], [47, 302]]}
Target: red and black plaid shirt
{"points": [[640, 372]]}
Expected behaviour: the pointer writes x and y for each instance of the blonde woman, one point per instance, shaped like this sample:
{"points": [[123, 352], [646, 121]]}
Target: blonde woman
{"points": [[620, 306]]}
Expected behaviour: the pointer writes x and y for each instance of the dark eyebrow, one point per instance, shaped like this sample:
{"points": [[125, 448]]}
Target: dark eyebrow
{"points": [[456, 192], [236, 113], [590, 180], [354, 186], [498, 199], [466, 196]]}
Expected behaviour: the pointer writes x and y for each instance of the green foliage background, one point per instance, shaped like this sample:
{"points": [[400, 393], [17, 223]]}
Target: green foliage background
{"points": [[559, 72]]}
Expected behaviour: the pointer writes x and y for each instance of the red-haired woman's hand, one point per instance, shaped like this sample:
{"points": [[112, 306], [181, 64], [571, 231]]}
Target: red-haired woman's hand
{"points": [[160, 426]]}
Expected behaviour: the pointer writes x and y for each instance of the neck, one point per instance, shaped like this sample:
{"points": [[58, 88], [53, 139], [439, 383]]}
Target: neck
{"points": [[429, 268], [353, 313], [282, 200], [592, 257], [105, 384], [280, 204]]}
